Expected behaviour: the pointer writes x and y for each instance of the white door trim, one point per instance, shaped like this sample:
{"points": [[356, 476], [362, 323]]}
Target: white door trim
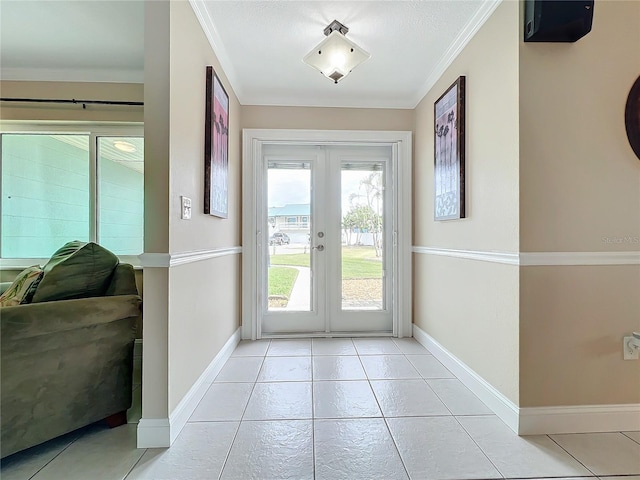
{"points": [[252, 142]]}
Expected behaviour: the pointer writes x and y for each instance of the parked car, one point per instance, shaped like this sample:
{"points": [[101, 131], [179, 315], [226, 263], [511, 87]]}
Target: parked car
{"points": [[279, 238]]}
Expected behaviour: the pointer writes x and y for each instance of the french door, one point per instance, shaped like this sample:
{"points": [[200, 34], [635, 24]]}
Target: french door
{"points": [[325, 239]]}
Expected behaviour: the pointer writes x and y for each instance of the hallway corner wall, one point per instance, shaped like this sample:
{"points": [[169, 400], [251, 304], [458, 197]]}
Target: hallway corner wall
{"points": [[471, 306], [580, 192]]}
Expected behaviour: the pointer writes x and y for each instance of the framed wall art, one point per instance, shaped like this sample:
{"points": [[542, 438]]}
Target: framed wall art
{"points": [[448, 174], [216, 147]]}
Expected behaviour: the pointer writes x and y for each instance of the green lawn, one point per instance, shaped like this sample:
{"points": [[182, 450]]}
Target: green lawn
{"points": [[357, 262], [281, 280]]}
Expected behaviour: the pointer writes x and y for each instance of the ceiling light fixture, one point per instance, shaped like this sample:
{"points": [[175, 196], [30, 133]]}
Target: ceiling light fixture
{"points": [[336, 56], [124, 146]]}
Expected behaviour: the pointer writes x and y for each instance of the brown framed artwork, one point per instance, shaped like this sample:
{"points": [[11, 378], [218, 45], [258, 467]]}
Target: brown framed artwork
{"points": [[448, 173], [632, 117], [216, 147]]}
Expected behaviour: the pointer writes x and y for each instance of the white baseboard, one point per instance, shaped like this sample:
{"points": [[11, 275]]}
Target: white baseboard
{"points": [[496, 401], [153, 433], [535, 420], [161, 432], [580, 419]]}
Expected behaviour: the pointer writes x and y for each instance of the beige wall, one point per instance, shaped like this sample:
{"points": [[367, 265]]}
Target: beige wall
{"points": [[579, 186], [471, 307], [155, 332], [572, 323], [320, 118], [204, 297], [126, 92]]}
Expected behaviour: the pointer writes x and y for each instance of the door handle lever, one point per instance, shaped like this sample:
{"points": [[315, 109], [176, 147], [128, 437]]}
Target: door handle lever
{"points": [[320, 248]]}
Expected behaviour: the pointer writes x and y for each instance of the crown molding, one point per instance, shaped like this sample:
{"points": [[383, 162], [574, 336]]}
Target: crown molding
{"points": [[461, 41], [200, 9]]}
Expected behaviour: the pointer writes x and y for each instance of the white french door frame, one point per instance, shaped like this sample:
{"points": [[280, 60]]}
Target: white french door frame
{"points": [[252, 173]]}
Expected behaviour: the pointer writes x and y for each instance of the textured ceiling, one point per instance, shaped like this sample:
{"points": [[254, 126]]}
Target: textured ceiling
{"points": [[259, 43], [71, 40], [263, 43]]}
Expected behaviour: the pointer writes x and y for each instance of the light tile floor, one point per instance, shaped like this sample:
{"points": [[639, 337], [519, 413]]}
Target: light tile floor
{"points": [[332, 409]]}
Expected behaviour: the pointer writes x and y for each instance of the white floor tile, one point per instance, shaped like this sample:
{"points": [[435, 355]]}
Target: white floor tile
{"points": [[407, 398], [632, 477], [635, 436], [344, 399], [382, 367], [223, 402], [603, 453], [458, 398], [332, 346], [410, 346], [376, 346], [285, 369], [429, 366], [198, 453], [103, 454], [514, 456], [354, 449], [280, 400], [271, 450], [251, 348], [23, 465], [289, 347], [438, 448], [240, 370], [337, 368]]}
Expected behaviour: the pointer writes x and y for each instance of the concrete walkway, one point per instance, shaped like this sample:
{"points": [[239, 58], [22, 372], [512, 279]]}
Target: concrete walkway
{"points": [[300, 299]]}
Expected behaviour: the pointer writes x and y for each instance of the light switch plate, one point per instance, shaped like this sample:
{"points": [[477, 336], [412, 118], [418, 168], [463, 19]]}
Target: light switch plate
{"points": [[185, 208]]}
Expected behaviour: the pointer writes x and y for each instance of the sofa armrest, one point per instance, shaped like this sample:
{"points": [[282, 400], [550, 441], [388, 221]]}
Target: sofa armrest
{"points": [[4, 286], [37, 319]]}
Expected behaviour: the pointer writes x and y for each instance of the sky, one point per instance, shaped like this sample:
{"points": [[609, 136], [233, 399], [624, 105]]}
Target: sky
{"points": [[293, 186]]}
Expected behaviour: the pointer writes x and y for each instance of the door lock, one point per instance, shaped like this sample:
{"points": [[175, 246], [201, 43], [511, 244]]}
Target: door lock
{"points": [[320, 248]]}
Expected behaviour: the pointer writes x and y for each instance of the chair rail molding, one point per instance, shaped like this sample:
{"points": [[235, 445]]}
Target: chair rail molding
{"points": [[166, 260], [532, 259]]}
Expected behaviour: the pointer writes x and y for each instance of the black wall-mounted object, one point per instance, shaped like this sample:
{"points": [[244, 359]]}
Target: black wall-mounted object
{"points": [[557, 20]]}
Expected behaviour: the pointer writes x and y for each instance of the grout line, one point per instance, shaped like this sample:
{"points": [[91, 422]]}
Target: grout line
{"points": [[135, 463], [630, 438], [424, 379], [478, 445], [56, 456], [235, 436], [313, 420], [571, 455], [384, 419]]}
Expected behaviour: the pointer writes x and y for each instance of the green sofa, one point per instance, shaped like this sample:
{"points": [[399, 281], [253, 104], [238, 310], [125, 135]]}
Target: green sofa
{"points": [[67, 363]]}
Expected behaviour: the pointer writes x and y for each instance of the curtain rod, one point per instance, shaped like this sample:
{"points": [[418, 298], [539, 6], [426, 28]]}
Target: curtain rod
{"points": [[84, 103]]}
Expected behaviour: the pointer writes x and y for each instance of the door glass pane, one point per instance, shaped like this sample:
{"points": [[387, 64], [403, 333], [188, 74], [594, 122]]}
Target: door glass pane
{"points": [[289, 228], [45, 193], [121, 194], [362, 204]]}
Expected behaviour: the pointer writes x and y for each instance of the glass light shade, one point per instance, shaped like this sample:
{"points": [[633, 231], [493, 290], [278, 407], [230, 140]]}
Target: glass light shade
{"points": [[336, 56]]}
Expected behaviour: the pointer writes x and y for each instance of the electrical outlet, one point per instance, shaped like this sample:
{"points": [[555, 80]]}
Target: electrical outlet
{"points": [[185, 208], [629, 351]]}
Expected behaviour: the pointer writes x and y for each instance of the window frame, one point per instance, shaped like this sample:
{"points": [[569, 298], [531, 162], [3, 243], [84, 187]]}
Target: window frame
{"points": [[93, 130]]}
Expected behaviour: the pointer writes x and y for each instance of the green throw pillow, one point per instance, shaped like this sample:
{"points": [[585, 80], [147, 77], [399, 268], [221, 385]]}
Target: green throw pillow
{"points": [[22, 288], [77, 270]]}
